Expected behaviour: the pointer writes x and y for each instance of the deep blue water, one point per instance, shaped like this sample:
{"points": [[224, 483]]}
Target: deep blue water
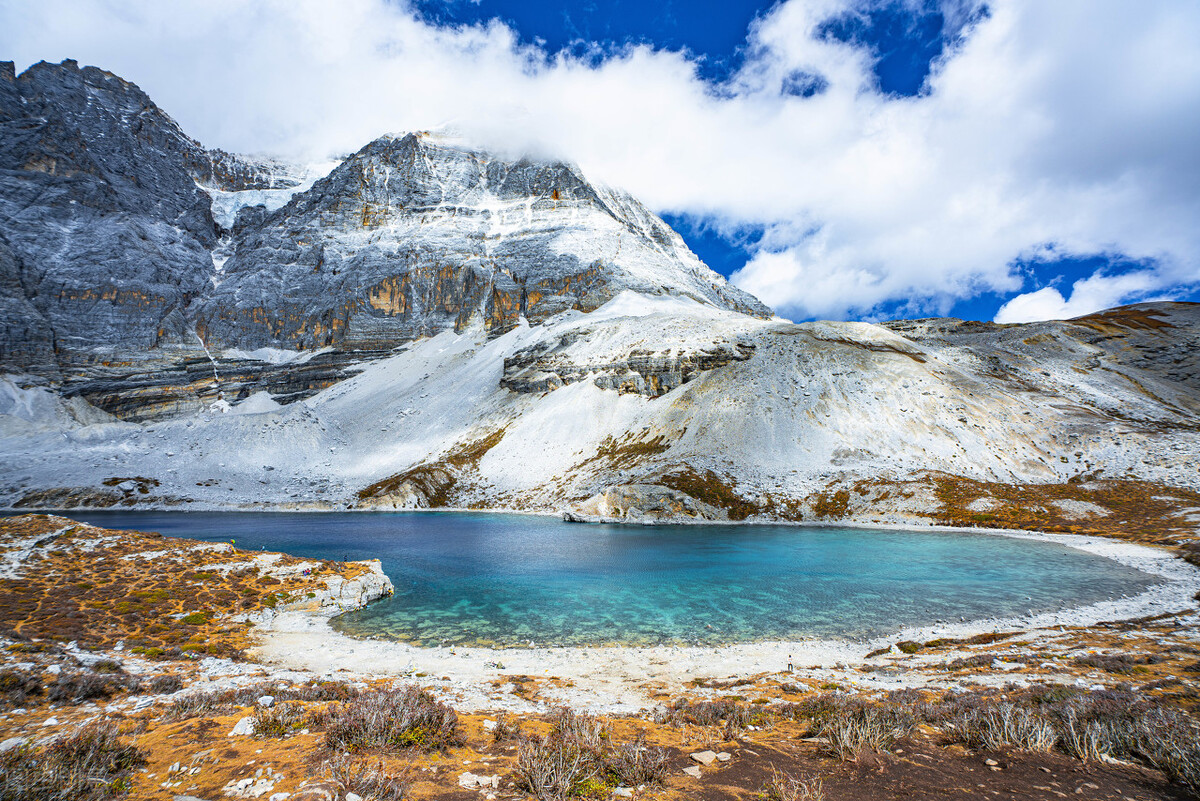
{"points": [[476, 579]]}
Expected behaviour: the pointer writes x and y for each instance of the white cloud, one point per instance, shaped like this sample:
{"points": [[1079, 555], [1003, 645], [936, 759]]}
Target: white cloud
{"points": [[1070, 123], [1088, 295]]}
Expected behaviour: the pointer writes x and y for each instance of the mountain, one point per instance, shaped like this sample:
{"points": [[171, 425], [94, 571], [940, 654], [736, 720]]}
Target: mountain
{"points": [[133, 260], [426, 324], [414, 235]]}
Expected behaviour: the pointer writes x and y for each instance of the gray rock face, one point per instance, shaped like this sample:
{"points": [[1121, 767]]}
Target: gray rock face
{"points": [[1159, 341], [414, 235], [645, 503], [549, 365], [110, 235], [192, 383], [25, 336]]}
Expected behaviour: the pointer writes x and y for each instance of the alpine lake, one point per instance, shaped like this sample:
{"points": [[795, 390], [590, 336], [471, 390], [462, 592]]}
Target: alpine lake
{"points": [[505, 580]]}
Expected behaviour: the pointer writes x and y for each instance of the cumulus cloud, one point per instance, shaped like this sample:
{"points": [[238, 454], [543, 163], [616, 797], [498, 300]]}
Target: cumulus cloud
{"points": [[1068, 125], [1099, 291]]}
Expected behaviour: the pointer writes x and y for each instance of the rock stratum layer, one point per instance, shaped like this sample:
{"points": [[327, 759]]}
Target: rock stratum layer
{"points": [[427, 325]]}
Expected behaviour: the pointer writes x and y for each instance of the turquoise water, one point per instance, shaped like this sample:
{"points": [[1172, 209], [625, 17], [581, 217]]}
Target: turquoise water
{"points": [[486, 579]]}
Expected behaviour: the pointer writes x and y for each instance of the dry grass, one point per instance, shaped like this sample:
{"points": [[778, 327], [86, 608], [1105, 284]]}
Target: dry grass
{"points": [[367, 779], [631, 449], [90, 764], [783, 787], [92, 586], [1139, 510], [711, 489]]}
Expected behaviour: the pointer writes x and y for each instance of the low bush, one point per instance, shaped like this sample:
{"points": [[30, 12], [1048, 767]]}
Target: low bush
{"points": [[165, 684], [853, 726], [279, 720], [1117, 663], [1001, 726], [75, 688], [636, 763], [18, 686], [506, 729], [394, 718], [1087, 725], [967, 662], [369, 780], [579, 758], [224, 702], [783, 787], [88, 765], [728, 713]]}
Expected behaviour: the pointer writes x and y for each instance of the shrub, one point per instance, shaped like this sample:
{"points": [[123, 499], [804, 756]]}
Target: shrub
{"points": [[637, 763], [366, 779], [90, 764], [853, 726], [1117, 663], [1087, 725], [782, 787], [107, 666], [279, 720], [166, 683], [75, 688], [407, 717], [709, 713], [549, 768], [974, 661], [506, 729], [1001, 726], [579, 759], [224, 702], [18, 686]]}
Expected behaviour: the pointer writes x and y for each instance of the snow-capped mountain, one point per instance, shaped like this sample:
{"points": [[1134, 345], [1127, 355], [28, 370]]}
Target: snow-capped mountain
{"points": [[426, 324]]}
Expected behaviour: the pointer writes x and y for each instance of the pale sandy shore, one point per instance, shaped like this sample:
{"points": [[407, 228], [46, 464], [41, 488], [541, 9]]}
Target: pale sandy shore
{"points": [[620, 679]]}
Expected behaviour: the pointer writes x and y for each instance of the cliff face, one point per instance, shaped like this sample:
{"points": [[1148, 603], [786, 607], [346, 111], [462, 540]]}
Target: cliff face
{"points": [[414, 235], [109, 236]]}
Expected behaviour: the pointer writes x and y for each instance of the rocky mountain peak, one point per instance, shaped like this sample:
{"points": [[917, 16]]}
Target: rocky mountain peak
{"points": [[417, 233], [125, 243]]}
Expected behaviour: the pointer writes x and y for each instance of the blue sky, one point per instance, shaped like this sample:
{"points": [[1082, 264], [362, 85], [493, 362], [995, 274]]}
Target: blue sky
{"points": [[904, 38], [854, 159]]}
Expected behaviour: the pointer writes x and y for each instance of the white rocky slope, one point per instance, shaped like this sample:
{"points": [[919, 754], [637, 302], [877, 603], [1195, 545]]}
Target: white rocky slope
{"points": [[659, 407]]}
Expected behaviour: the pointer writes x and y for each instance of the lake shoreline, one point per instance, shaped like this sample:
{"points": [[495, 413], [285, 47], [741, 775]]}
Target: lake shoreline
{"points": [[615, 678]]}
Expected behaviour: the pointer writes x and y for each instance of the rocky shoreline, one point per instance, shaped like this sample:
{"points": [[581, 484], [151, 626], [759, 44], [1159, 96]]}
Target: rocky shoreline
{"points": [[620, 678]]}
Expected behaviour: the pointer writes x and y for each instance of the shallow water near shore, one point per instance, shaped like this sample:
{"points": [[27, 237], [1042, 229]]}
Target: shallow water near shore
{"points": [[509, 580]]}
